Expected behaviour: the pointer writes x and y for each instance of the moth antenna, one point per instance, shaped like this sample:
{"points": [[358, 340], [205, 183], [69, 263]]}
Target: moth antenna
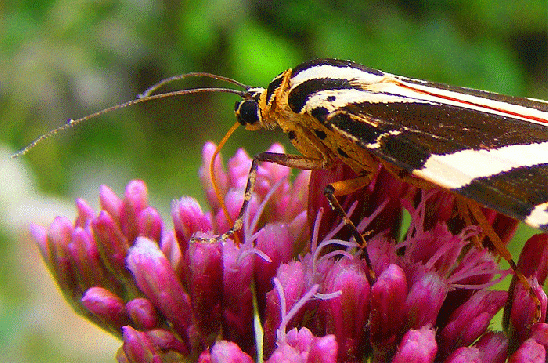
{"points": [[165, 81], [73, 122]]}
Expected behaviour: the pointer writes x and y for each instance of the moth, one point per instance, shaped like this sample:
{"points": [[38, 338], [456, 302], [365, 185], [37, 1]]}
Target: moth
{"points": [[486, 147]]}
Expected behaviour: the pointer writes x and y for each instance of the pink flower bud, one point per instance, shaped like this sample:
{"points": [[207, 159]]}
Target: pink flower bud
{"points": [[388, 297], [149, 224], [417, 346], [346, 315], [138, 348], [85, 213], [493, 347], [425, 300], [470, 320], [142, 313], [107, 307], [529, 351], [206, 286], [188, 219], [135, 200], [156, 279], [110, 202], [113, 244], [228, 352]]}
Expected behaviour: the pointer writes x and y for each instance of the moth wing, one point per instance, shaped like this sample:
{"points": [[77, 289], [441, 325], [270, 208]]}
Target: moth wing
{"points": [[498, 161]]}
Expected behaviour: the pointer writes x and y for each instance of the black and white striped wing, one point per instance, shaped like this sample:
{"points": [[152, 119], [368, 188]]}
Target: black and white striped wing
{"points": [[487, 147]]}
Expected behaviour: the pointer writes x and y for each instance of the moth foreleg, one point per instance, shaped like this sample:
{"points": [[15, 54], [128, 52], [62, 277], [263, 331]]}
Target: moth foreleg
{"points": [[293, 161], [338, 188]]}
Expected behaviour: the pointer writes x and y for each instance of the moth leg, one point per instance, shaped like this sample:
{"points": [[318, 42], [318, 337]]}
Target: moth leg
{"points": [[304, 163], [293, 161], [345, 187], [503, 252], [464, 211]]}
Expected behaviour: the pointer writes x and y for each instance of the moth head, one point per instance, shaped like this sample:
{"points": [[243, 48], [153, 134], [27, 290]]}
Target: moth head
{"points": [[248, 111]]}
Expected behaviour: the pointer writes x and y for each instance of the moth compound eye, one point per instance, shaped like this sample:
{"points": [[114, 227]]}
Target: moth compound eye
{"points": [[247, 112]]}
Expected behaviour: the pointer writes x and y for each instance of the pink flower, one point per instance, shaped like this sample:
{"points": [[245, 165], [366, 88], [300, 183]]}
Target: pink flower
{"points": [[182, 294]]}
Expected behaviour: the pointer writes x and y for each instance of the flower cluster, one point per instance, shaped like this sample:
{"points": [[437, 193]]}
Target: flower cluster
{"points": [[293, 286]]}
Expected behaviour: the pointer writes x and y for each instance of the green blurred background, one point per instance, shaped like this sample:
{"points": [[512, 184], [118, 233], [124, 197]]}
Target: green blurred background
{"points": [[65, 59]]}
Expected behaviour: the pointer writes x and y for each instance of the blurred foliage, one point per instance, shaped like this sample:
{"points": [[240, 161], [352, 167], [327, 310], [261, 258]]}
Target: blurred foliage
{"points": [[64, 59]]}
